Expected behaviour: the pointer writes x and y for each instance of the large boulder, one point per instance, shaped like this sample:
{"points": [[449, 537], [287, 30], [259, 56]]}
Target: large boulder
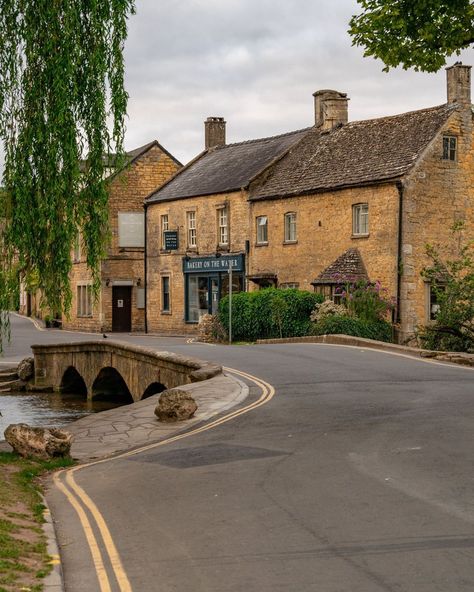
{"points": [[26, 369], [42, 443], [175, 405]]}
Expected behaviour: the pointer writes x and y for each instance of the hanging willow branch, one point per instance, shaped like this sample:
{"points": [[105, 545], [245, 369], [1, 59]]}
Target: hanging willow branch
{"points": [[62, 109]]}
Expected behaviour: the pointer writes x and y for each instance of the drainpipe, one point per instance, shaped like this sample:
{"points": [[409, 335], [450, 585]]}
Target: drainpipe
{"points": [[399, 249], [145, 269]]}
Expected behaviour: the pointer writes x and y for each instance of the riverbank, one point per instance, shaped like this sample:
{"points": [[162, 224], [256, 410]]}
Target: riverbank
{"points": [[24, 560]]}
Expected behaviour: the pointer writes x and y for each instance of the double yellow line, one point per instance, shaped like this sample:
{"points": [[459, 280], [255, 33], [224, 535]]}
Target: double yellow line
{"points": [[87, 510]]}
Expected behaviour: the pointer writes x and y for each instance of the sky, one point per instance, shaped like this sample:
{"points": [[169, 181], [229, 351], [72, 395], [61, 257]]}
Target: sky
{"points": [[256, 63]]}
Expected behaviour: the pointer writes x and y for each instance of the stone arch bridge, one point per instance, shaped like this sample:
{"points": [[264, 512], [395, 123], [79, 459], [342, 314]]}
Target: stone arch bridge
{"points": [[93, 368]]}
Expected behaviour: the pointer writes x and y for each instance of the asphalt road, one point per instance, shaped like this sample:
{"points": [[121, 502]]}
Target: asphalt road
{"points": [[357, 476]]}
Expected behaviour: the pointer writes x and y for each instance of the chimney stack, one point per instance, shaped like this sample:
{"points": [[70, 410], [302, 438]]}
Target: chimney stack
{"points": [[330, 108], [214, 132], [458, 79]]}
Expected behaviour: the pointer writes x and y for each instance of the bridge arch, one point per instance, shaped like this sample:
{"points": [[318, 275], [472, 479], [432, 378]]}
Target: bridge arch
{"points": [[153, 389], [72, 382], [113, 368], [109, 385]]}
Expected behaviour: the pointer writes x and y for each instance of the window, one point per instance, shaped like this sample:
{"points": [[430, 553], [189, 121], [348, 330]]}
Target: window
{"points": [[165, 294], [360, 219], [77, 248], [164, 227], [449, 147], [289, 285], [262, 230], [191, 225], [433, 292], [223, 231], [290, 227], [131, 229], [84, 300]]}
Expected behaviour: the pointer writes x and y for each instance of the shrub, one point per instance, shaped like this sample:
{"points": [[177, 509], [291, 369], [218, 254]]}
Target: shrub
{"points": [[269, 313], [453, 281], [326, 309], [367, 300], [379, 330]]}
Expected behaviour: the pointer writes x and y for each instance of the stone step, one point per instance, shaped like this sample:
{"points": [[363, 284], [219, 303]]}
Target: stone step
{"points": [[8, 375], [12, 385]]}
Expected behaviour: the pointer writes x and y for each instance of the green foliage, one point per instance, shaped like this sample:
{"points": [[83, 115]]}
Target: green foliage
{"points": [[379, 330], [61, 82], [269, 313], [367, 301], [453, 282], [417, 34]]}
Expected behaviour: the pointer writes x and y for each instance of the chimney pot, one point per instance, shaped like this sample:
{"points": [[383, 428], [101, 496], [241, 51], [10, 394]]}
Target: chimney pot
{"points": [[330, 108], [458, 78], [214, 132]]}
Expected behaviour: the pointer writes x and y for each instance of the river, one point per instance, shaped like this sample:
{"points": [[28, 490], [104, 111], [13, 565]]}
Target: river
{"points": [[46, 409]]}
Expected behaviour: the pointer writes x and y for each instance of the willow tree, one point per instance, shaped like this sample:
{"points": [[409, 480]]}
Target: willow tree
{"points": [[62, 110]]}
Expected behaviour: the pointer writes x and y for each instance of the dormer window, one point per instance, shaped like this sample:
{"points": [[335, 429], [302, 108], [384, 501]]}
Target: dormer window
{"points": [[449, 147]]}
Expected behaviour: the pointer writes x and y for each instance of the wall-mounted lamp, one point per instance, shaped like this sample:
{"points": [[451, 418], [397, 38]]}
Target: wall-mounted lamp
{"points": [[139, 282], [107, 282]]}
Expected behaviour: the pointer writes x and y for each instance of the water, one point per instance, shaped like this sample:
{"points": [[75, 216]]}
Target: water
{"points": [[47, 409]]}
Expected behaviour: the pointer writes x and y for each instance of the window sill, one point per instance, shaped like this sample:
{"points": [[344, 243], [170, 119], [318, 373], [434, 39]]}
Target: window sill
{"points": [[192, 322], [165, 252], [165, 312], [223, 248], [261, 244], [361, 235], [290, 242]]}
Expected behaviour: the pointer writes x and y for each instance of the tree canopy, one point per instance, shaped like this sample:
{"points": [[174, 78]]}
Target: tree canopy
{"points": [[62, 108], [417, 34]]}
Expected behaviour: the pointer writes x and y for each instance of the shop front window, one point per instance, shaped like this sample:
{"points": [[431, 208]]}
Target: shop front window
{"points": [[198, 297], [205, 292]]}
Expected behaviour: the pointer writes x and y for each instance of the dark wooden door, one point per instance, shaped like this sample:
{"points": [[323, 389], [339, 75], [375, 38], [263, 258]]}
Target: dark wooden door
{"points": [[122, 309]]}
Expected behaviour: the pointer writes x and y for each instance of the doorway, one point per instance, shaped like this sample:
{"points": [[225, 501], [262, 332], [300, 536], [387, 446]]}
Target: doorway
{"points": [[121, 309]]}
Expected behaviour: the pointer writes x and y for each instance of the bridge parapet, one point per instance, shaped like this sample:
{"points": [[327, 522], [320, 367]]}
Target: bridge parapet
{"points": [[139, 367]]}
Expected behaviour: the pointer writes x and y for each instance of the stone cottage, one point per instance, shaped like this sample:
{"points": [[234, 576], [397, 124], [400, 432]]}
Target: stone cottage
{"points": [[121, 304], [314, 208]]}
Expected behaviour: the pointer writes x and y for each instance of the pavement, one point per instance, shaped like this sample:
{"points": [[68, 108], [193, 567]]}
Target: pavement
{"points": [[131, 426]]}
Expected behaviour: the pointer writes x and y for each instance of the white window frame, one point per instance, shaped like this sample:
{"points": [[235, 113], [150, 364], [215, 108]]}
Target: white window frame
{"points": [[262, 230], [164, 226], [450, 148], [84, 303], [290, 235], [191, 229], [163, 309], [360, 219], [223, 225]]}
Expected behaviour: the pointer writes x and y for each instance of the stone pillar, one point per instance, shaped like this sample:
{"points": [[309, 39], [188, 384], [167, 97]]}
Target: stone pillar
{"points": [[458, 78], [214, 132], [330, 108]]}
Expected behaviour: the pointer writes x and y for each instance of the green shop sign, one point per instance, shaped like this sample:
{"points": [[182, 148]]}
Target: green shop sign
{"points": [[213, 264]]}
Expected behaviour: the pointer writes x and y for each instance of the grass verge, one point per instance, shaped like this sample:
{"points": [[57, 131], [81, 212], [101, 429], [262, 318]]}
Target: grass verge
{"points": [[24, 561]]}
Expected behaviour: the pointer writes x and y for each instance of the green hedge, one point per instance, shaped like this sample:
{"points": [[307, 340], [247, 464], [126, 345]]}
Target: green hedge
{"points": [[269, 313], [345, 325]]}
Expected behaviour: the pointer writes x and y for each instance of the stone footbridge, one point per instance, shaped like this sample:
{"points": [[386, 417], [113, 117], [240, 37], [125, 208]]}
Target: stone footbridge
{"points": [[112, 369]]}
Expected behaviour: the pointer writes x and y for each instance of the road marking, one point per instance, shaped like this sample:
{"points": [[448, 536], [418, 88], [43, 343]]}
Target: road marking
{"points": [[74, 492], [31, 319], [101, 573]]}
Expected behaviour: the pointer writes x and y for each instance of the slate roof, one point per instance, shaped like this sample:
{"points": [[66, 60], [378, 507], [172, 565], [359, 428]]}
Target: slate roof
{"points": [[348, 267], [357, 153], [226, 168]]}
